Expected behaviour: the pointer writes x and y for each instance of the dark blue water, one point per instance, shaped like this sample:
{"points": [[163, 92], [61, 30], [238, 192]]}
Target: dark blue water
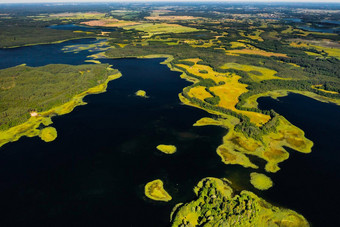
{"points": [[39, 55], [320, 29], [310, 183], [73, 27], [94, 173]]}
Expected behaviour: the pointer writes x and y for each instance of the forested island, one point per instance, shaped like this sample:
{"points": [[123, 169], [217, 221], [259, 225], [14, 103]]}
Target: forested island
{"points": [[231, 56]]}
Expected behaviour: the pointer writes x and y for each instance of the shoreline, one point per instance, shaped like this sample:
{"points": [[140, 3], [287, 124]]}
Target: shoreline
{"points": [[30, 127], [46, 43], [251, 102]]}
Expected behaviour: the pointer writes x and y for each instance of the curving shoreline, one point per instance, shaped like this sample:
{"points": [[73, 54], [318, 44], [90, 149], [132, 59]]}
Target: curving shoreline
{"points": [[30, 127], [251, 102]]}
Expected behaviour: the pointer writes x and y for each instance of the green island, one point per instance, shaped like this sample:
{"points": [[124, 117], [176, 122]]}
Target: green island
{"points": [[260, 181], [167, 149], [217, 204], [141, 93], [154, 190]]}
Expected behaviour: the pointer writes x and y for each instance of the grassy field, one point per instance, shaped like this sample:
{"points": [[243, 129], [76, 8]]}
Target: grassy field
{"points": [[255, 72], [254, 35], [254, 51], [228, 92], [238, 45], [48, 134], [167, 149], [333, 52], [199, 92], [260, 181], [154, 190], [332, 49], [141, 93]]}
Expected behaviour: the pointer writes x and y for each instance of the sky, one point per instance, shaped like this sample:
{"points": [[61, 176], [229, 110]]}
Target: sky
{"points": [[93, 1]]}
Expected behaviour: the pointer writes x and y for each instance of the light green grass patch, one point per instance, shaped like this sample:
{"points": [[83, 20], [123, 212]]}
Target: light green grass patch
{"points": [[260, 181], [167, 149], [255, 72], [154, 190], [48, 134]]}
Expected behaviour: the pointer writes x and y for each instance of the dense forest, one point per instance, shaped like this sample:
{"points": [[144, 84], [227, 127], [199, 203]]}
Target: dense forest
{"points": [[24, 89]]}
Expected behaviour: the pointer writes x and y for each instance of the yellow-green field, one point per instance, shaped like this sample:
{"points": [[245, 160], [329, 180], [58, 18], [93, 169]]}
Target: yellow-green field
{"points": [[141, 93], [48, 134], [254, 51], [199, 92], [237, 45], [254, 35], [154, 190], [333, 52], [260, 181], [229, 92], [313, 54], [153, 29], [323, 46], [167, 149], [255, 72]]}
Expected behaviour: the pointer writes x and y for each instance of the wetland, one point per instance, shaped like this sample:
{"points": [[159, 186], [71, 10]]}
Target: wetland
{"points": [[140, 116]]}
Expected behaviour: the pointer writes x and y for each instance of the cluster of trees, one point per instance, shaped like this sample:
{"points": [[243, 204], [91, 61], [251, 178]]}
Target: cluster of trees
{"points": [[251, 130]]}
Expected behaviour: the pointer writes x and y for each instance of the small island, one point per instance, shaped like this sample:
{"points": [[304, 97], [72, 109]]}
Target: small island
{"points": [[48, 134], [154, 190], [167, 149], [217, 204], [260, 181], [141, 93]]}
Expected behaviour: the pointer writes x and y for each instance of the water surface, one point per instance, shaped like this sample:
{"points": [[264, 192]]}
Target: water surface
{"points": [[95, 171], [74, 27], [310, 183]]}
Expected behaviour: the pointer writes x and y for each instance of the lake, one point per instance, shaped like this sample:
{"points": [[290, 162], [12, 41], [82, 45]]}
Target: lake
{"points": [[310, 180], [324, 26], [95, 171], [74, 27]]}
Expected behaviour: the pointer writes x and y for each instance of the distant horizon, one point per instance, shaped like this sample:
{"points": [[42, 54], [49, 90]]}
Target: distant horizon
{"points": [[164, 1]]}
